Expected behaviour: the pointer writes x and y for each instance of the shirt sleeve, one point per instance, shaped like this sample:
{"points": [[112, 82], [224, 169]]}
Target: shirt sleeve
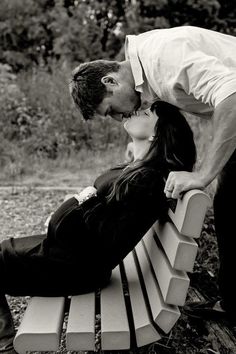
{"points": [[199, 74]]}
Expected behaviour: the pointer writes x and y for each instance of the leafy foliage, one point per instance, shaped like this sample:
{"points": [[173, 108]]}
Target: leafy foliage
{"points": [[34, 32]]}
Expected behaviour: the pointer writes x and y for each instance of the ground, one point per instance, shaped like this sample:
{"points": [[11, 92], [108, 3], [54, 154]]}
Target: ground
{"points": [[24, 211]]}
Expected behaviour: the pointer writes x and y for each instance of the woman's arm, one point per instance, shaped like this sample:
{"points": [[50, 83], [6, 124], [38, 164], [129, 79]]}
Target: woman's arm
{"points": [[81, 197]]}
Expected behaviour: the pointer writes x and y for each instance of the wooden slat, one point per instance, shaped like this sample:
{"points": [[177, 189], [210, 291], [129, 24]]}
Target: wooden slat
{"points": [[165, 316], [180, 250], [114, 322], [190, 213], [40, 329], [173, 283], [144, 329], [80, 333]]}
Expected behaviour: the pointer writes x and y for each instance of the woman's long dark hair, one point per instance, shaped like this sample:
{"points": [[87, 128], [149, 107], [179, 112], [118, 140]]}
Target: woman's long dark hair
{"points": [[172, 149]]}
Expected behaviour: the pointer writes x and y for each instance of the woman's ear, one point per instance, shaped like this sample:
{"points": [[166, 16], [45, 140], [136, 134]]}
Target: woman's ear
{"points": [[109, 81], [151, 138]]}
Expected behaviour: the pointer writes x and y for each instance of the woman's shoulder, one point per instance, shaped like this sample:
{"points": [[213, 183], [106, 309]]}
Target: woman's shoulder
{"points": [[107, 177]]}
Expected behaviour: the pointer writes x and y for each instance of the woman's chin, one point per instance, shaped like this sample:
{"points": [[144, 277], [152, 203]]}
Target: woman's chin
{"points": [[129, 128]]}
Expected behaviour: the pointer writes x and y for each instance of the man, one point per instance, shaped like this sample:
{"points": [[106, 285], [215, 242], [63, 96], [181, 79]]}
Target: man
{"points": [[195, 70]]}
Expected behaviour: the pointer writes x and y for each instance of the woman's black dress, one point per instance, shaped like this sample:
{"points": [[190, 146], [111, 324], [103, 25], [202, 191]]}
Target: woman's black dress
{"points": [[83, 242]]}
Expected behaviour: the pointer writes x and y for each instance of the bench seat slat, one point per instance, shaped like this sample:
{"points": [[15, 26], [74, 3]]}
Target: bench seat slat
{"points": [[164, 315], [180, 250], [144, 329], [40, 329], [173, 283], [80, 333], [190, 213], [115, 332]]}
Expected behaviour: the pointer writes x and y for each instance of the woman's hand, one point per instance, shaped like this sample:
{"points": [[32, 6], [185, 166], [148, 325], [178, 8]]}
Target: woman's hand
{"points": [[47, 222], [85, 194]]}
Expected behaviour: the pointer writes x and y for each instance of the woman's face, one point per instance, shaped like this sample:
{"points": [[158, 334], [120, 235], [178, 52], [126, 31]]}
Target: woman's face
{"points": [[141, 125]]}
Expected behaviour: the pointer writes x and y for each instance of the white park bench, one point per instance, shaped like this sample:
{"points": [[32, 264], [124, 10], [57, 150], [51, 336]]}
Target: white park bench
{"points": [[140, 304]]}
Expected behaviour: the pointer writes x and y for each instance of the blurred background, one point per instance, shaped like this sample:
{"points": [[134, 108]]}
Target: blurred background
{"points": [[43, 141]]}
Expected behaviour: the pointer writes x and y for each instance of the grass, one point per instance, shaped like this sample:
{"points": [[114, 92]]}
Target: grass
{"points": [[79, 169]]}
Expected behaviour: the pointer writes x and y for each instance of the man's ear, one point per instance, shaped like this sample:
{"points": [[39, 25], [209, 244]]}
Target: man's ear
{"points": [[109, 81]]}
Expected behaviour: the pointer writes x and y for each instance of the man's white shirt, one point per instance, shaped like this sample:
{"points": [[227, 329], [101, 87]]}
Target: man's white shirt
{"points": [[190, 67]]}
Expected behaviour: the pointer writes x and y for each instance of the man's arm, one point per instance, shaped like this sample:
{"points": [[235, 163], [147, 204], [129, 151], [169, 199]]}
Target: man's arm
{"points": [[221, 148]]}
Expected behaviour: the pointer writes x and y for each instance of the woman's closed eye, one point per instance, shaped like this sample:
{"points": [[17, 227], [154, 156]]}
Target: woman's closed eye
{"points": [[148, 112]]}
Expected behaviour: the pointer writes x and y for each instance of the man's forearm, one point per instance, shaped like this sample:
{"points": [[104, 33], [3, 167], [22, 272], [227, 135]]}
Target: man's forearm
{"points": [[224, 140]]}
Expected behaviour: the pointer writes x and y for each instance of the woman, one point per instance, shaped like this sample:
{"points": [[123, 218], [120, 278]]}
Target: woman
{"points": [[92, 232]]}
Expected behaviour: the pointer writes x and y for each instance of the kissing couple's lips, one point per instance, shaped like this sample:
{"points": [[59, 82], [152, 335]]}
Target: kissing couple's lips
{"points": [[129, 114], [138, 106], [132, 116], [125, 119]]}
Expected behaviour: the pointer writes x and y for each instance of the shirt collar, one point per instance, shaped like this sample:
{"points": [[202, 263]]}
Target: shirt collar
{"points": [[132, 56]]}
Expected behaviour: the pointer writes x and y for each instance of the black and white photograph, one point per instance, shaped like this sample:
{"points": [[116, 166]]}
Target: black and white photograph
{"points": [[117, 176]]}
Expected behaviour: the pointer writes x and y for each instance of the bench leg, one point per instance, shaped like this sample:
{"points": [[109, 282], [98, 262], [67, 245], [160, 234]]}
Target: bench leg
{"points": [[7, 331]]}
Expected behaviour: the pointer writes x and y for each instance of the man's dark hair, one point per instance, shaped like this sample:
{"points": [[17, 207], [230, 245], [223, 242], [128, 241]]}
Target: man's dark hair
{"points": [[86, 87]]}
